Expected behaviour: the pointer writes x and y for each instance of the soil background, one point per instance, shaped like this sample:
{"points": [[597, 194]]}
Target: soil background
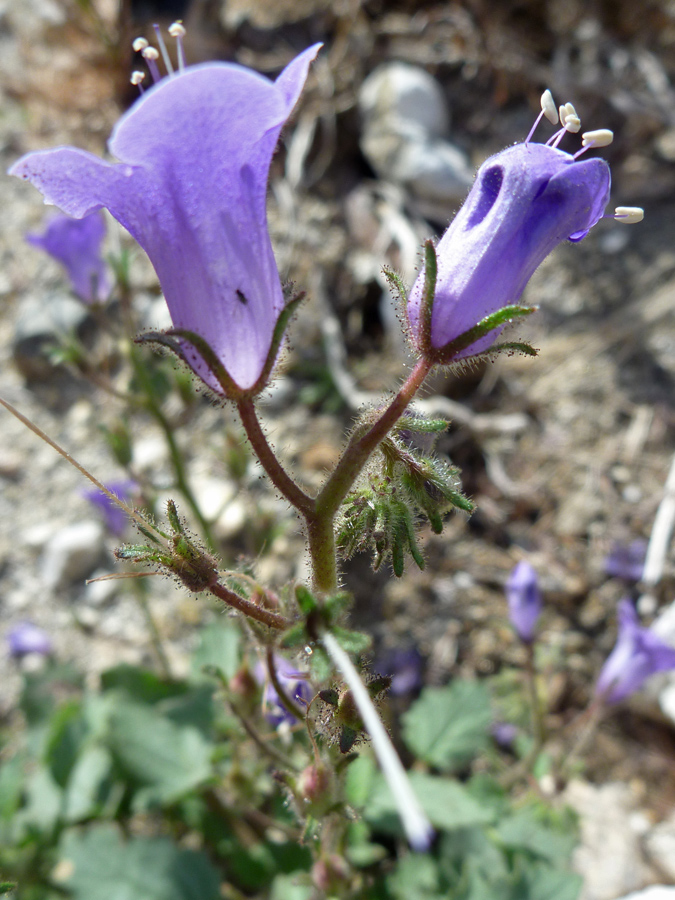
{"points": [[566, 455]]}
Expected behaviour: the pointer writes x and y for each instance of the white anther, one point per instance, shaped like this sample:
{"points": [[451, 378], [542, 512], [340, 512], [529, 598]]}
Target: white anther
{"points": [[150, 53], [599, 138], [548, 107], [629, 215], [137, 78], [570, 110], [573, 124], [177, 29], [139, 44]]}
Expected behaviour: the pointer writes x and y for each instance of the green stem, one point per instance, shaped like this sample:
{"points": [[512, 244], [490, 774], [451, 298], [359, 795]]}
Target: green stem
{"points": [[175, 454], [538, 734], [362, 445], [284, 699], [155, 636]]}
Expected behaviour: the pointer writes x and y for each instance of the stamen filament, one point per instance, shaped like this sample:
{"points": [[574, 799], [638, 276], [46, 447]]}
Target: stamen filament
{"points": [[150, 55], [177, 31], [137, 79], [164, 51], [548, 109]]}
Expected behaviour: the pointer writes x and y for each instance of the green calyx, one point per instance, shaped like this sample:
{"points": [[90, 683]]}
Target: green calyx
{"points": [[180, 556], [409, 485]]}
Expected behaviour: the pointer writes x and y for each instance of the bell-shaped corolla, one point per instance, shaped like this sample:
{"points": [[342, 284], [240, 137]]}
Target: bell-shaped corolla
{"points": [[524, 202], [190, 186]]}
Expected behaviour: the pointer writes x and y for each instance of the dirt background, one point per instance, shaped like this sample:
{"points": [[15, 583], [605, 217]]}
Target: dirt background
{"points": [[575, 450]]}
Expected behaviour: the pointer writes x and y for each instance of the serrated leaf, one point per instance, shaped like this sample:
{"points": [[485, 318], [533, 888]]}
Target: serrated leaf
{"points": [[164, 758], [446, 802], [417, 876], [218, 646], [353, 642], [102, 866], [545, 883], [528, 830], [447, 726]]}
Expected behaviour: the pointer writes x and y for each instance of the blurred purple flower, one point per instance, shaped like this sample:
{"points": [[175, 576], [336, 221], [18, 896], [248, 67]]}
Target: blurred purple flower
{"points": [[25, 638], [404, 665], [76, 244], [627, 560], [638, 653], [293, 682], [524, 599], [116, 520], [525, 201], [191, 188], [504, 734]]}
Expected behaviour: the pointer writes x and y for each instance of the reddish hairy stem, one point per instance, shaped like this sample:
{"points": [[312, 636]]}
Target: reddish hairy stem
{"points": [[355, 456], [276, 472], [252, 610]]}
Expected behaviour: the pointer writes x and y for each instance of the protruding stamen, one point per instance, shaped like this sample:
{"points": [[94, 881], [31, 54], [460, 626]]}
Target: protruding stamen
{"points": [[150, 55], [548, 107], [177, 31], [602, 137], [572, 124], [629, 215], [162, 47], [139, 44], [137, 79]]}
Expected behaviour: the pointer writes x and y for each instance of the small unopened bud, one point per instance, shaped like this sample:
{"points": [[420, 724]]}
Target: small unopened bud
{"points": [[330, 874], [602, 137], [243, 685], [314, 788], [629, 215], [548, 107]]}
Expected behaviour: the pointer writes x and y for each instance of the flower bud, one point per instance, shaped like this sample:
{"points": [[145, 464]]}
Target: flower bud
{"points": [[524, 598]]}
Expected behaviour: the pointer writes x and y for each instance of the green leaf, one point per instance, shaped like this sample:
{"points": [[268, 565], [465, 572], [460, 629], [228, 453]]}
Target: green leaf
{"points": [[7, 886], [218, 646], [165, 758], [417, 877], [446, 802], [103, 867], [354, 642], [533, 829], [142, 685], [545, 883], [68, 729], [87, 786], [448, 726], [290, 887]]}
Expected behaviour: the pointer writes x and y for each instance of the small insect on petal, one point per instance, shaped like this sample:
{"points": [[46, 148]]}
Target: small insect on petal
{"points": [[629, 215]]}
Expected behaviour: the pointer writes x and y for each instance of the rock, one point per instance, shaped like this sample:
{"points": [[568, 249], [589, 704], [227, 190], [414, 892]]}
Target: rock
{"points": [[44, 321], [660, 846], [405, 122], [72, 554], [609, 856], [654, 892], [404, 97]]}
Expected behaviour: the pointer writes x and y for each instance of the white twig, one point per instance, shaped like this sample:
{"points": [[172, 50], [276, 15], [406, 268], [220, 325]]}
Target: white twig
{"points": [[662, 532], [417, 827]]}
